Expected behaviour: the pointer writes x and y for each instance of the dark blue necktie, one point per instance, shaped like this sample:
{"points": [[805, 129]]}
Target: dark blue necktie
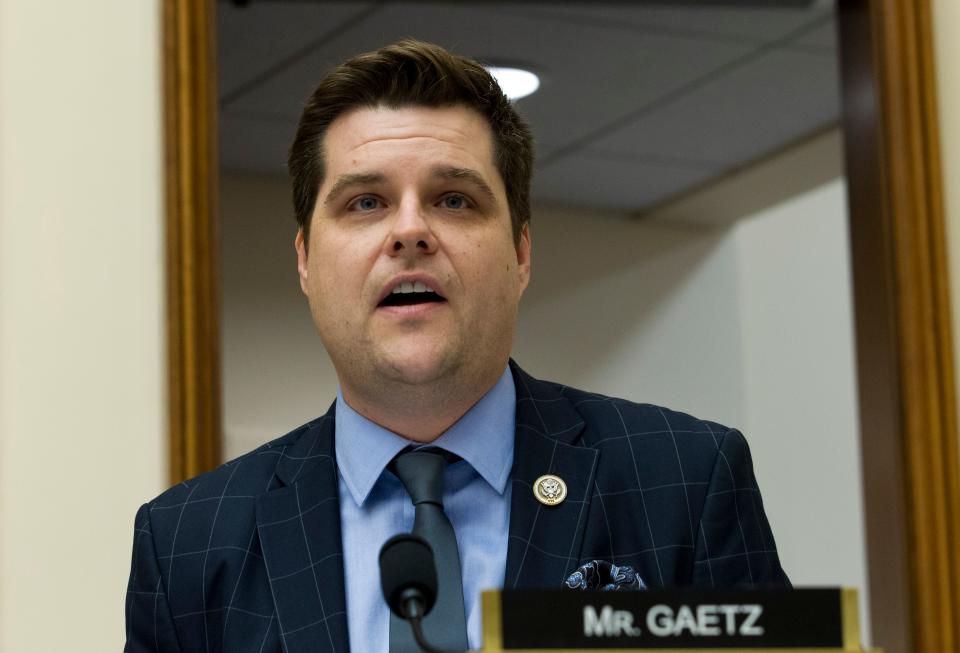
{"points": [[421, 473]]}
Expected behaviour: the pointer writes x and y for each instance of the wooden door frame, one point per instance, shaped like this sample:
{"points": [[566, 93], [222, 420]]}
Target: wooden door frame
{"points": [[192, 253], [901, 298], [904, 338]]}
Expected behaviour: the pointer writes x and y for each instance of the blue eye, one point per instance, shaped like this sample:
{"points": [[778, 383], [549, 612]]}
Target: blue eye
{"points": [[367, 203], [455, 202]]}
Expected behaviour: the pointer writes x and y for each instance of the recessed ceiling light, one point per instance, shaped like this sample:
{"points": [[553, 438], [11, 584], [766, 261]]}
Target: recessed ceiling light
{"points": [[515, 82]]}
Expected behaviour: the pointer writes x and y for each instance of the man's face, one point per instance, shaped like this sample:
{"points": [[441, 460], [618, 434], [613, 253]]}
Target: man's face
{"points": [[412, 199]]}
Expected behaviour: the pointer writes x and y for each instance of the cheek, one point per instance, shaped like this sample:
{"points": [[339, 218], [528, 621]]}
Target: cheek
{"points": [[339, 265], [495, 278]]}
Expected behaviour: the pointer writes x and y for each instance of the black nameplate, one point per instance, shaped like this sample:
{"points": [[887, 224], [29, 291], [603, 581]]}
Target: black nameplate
{"points": [[678, 618]]}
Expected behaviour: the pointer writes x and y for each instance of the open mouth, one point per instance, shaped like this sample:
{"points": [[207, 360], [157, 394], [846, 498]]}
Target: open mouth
{"points": [[411, 293], [410, 298]]}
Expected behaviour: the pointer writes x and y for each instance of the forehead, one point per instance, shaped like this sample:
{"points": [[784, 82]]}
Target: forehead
{"points": [[383, 135]]}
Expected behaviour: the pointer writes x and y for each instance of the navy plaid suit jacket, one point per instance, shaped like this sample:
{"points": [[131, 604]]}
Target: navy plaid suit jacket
{"points": [[248, 557]]}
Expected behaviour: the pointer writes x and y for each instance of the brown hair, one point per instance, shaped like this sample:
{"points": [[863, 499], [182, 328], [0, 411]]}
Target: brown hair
{"points": [[411, 73]]}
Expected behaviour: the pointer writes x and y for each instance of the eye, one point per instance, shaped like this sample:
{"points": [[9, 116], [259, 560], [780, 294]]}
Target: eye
{"points": [[364, 203], [455, 201]]}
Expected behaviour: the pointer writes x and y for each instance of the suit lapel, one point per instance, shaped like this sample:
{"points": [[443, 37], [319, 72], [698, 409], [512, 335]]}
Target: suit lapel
{"points": [[545, 541], [299, 528]]}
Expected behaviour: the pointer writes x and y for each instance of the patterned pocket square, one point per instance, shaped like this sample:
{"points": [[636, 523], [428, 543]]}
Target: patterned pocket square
{"points": [[605, 577]]}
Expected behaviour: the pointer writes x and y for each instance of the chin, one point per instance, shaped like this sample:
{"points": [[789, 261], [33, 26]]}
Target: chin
{"points": [[420, 367]]}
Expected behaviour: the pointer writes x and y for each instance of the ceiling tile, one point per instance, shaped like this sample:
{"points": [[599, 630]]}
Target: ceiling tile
{"points": [[763, 105], [695, 96], [750, 23], [253, 38], [590, 76], [823, 37]]}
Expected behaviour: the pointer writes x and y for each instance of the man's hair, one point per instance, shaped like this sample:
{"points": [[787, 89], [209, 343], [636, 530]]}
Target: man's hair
{"points": [[411, 73]]}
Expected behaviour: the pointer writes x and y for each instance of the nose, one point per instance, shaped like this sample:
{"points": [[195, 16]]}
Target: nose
{"points": [[410, 232]]}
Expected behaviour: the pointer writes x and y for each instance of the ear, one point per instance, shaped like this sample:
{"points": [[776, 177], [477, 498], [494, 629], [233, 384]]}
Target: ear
{"points": [[523, 258], [301, 246]]}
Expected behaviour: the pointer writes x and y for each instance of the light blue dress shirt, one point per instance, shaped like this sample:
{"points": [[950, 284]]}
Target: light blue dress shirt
{"points": [[374, 506]]}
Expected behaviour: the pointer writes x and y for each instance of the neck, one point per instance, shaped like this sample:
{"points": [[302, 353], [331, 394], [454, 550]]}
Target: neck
{"points": [[422, 412]]}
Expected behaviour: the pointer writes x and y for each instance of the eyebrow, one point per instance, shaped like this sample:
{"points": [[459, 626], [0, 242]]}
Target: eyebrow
{"points": [[353, 179], [472, 176], [349, 180]]}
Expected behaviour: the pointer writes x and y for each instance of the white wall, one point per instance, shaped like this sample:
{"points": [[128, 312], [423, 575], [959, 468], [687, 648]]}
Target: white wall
{"points": [[800, 382], [81, 311], [732, 304], [642, 311], [276, 374], [794, 305]]}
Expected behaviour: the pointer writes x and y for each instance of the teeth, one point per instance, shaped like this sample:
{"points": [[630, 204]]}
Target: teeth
{"points": [[408, 287]]}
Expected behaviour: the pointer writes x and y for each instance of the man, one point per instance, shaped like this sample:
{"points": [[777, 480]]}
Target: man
{"points": [[411, 175]]}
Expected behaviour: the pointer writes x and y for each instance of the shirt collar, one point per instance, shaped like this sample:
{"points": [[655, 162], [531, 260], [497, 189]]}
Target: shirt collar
{"points": [[483, 437]]}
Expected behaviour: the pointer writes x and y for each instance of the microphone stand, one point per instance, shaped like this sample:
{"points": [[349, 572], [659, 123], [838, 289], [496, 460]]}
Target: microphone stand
{"points": [[421, 640], [408, 578], [412, 609]]}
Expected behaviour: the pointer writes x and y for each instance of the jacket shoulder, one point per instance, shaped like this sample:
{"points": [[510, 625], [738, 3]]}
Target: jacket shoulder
{"points": [[609, 418], [218, 506], [246, 476]]}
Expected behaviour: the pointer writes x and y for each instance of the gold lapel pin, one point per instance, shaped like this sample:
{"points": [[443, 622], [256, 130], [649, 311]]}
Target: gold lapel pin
{"points": [[550, 490]]}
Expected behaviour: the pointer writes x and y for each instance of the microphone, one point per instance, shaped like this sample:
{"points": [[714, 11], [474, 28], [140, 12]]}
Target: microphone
{"points": [[408, 578]]}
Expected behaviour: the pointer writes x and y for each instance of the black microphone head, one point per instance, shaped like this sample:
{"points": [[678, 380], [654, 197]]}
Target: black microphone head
{"points": [[406, 563]]}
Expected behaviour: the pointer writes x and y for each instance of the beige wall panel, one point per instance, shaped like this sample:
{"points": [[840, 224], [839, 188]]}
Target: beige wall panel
{"points": [[81, 312]]}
